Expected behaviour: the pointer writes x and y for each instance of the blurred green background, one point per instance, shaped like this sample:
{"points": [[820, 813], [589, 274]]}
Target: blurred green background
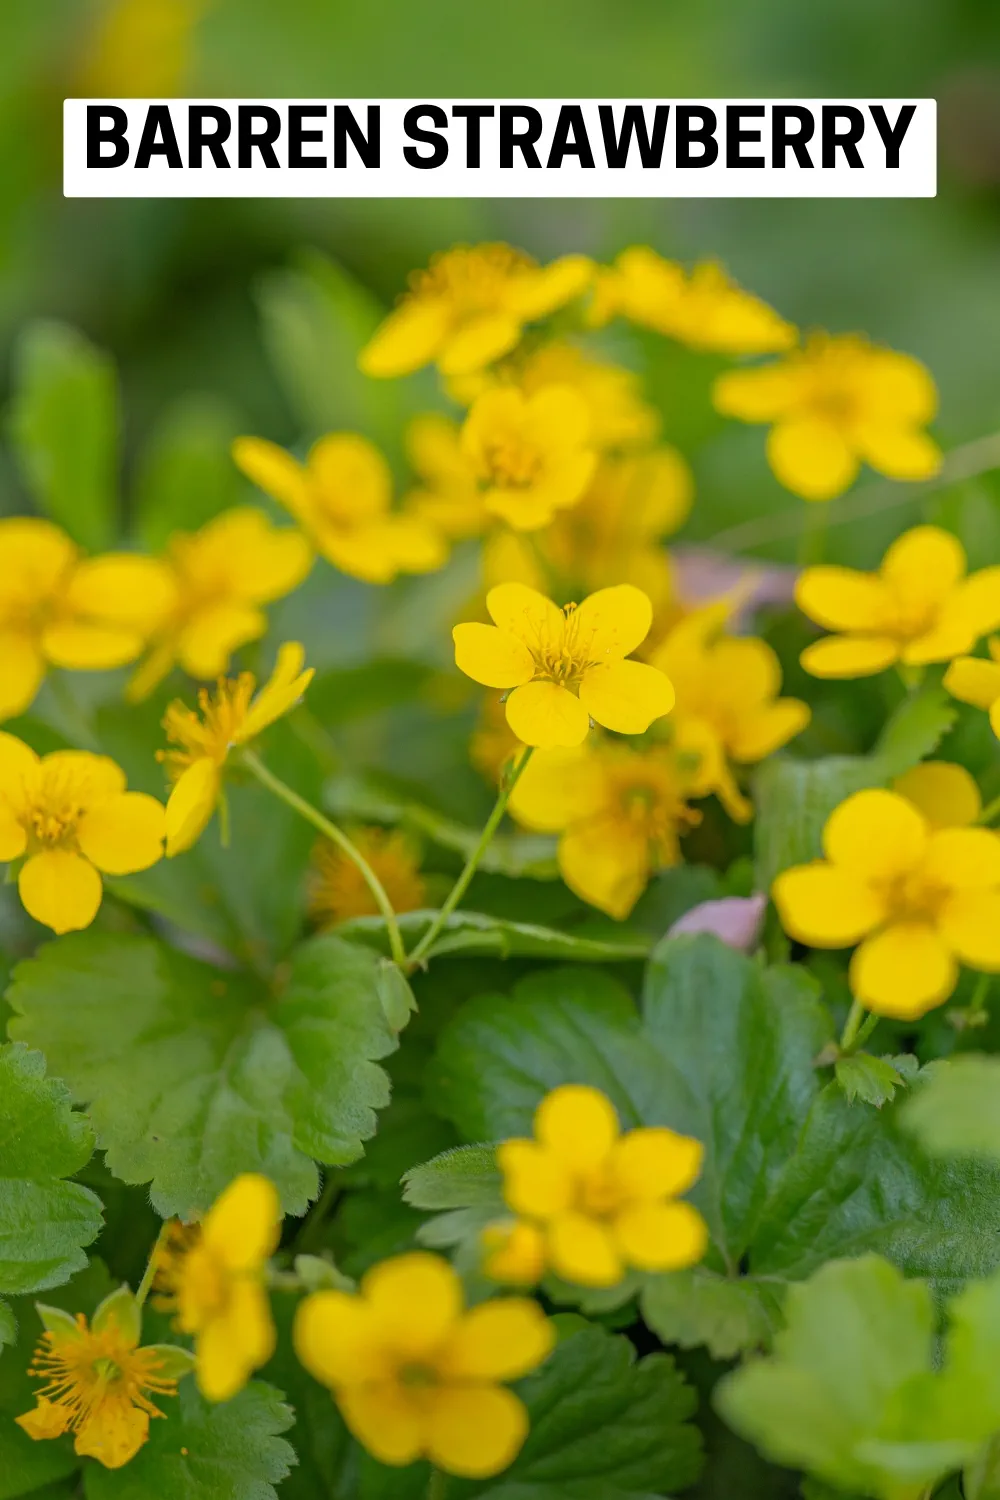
{"points": [[173, 289]]}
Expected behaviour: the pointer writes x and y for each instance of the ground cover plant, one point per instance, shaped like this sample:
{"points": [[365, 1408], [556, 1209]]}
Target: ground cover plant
{"points": [[497, 1000]]}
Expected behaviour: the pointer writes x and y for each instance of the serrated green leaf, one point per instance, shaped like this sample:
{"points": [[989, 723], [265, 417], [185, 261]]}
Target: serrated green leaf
{"points": [[194, 1075], [460, 1178], [793, 799], [914, 731], [874, 1080], [470, 932], [205, 1452], [44, 1221], [726, 1314], [64, 424], [956, 1110]]}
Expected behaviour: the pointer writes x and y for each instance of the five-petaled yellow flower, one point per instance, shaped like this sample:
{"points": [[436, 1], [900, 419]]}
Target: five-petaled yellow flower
{"points": [[337, 890], [70, 819], [702, 308], [415, 1374], [215, 1286], [229, 716], [563, 667], [727, 709], [918, 900], [98, 1380], [342, 498], [593, 1201], [469, 308], [214, 582], [919, 607], [972, 679], [835, 404], [620, 813], [60, 609]]}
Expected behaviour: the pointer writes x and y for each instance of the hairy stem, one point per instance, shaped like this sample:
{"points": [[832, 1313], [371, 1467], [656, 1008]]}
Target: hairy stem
{"points": [[150, 1271], [849, 1035]]}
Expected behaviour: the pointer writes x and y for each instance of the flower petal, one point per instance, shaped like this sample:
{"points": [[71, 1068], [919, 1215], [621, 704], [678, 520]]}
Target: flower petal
{"points": [[13, 839], [925, 561], [22, 668], [609, 624], [525, 613], [475, 1430], [607, 863], [825, 907], [191, 804], [850, 655], [578, 1125], [60, 889], [337, 1339], [478, 342], [654, 1162], [970, 679], [626, 695], [211, 636], [408, 338], [274, 471], [970, 924], [493, 657], [766, 730], [811, 458], [842, 598], [386, 1420], [962, 858], [416, 1299], [123, 834], [946, 794], [903, 971], [280, 693], [584, 1251], [556, 788], [18, 764], [547, 715], [499, 1340], [661, 1236], [82, 647], [231, 1346], [113, 1433], [900, 452], [875, 834], [763, 394], [242, 1226], [976, 601], [536, 1181]]}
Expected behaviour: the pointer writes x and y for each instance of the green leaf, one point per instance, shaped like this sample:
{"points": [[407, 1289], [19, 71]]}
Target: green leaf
{"points": [[956, 1110], [186, 474], [871, 1079], [64, 425], [852, 1394], [726, 1314], [462, 1177], [44, 1221], [193, 1075], [205, 1452], [914, 731], [794, 798], [471, 932]]}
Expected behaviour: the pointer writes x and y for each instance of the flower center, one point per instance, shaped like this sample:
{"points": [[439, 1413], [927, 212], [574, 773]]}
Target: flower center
{"points": [[213, 733], [599, 1194], [512, 464], [472, 280], [913, 898], [561, 660], [417, 1377]]}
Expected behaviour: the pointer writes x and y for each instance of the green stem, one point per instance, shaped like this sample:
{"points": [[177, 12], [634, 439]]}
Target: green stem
{"points": [[150, 1271], [437, 1485], [869, 1026], [990, 811], [849, 1035], [461, 885], [336, 836], [812, 538], [977, 1005]]}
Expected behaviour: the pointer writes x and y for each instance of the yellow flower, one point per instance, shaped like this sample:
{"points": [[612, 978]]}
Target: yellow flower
{"points": [[703, 309], [215, 1286], [217, 580], [69, 817], [493, 742], [919, 901], [337, 890], [919, 607], [563, 667], [601, 1200], [141, 49], [228, 717], [620, 812], [98, 1380], [469, 308], [59, 609], [973, 680], [619, 417], [342, 498], [415, 1374], [946, 794], [727, 709], [835, 404]]}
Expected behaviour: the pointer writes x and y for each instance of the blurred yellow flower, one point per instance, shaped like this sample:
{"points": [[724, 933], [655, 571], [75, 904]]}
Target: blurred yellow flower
{"points": [[600, 1200], [415, 1374], [728, 708], [342, 498], [919, 607], [946, 794], [619, 418], [563, 667], [971, 679], [69, 817], [492, 742], [702, 308], [620, 812], [919, 900], [337, 889], [59, 609], [229, 716], [98, 1381], [215, 1286], [140, 49], [469, 308], [215, 581], [835, 404]]}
